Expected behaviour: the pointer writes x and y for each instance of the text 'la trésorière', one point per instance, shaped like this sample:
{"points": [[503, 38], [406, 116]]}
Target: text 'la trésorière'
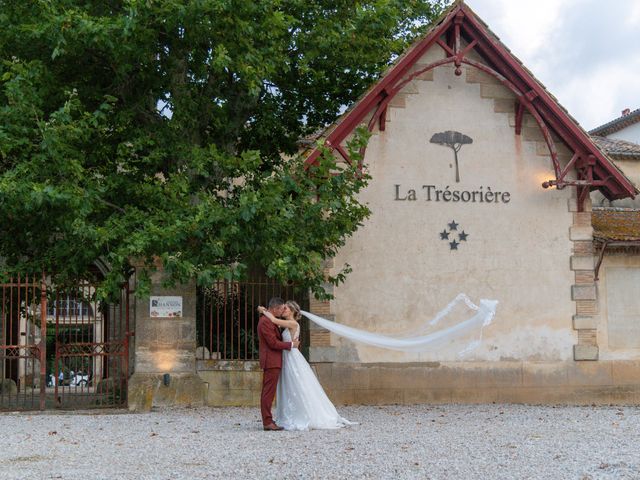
{"points": [[433, 193]]}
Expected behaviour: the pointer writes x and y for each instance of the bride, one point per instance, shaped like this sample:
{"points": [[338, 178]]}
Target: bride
{"points": [[301, 401]]}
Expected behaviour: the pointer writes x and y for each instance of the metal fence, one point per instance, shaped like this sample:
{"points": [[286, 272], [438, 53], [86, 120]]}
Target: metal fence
{"points": [[60, 347], [22, 354], [228, 319]]}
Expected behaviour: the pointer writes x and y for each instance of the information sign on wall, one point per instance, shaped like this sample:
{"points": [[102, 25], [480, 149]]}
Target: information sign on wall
{"points": [[165, 307]]}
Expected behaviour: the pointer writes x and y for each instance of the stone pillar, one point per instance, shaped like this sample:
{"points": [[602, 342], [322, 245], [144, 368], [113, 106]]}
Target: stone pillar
{"points": [[165, 346], [320, 349], [584, 291]]}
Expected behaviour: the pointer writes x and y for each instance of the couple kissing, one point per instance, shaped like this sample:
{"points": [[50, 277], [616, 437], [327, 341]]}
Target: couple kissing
{"points": [[301, 401]]}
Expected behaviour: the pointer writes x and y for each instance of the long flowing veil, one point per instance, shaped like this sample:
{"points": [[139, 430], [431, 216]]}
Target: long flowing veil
{"points": [[420, 340]]}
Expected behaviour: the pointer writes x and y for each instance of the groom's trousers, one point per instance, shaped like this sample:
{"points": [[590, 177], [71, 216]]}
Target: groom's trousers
{"points": [[270, 378]]}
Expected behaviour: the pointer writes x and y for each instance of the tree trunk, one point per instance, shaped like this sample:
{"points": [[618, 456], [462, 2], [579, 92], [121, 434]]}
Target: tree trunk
{"points": [[455, 153]]}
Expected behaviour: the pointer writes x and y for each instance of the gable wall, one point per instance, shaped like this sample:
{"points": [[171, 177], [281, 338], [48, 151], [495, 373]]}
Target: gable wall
{"points": [[517, 252], [619, 307]]}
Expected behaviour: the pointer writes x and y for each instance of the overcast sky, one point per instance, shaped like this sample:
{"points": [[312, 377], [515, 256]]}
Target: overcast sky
{"points": [[586, 52]]}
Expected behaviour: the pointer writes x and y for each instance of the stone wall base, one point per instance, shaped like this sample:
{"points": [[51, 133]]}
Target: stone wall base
{"points": [[147, 390], [571, 383], [231, 383]]}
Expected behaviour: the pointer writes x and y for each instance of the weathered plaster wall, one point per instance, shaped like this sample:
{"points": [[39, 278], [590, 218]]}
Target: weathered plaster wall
{"points": [[619, 306], [630, 133], [631, 168], [517, 252]]}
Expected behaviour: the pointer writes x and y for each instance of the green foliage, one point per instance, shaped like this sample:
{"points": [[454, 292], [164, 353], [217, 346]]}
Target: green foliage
{"points": [[138, 130]]}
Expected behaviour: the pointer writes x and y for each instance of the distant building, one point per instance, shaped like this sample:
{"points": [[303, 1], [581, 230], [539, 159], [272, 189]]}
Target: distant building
{"points": [[620, 140], [616, 235], [626, 127]]}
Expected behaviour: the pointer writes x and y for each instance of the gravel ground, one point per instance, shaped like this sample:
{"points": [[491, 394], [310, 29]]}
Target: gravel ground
{"points": [[425, 441]]}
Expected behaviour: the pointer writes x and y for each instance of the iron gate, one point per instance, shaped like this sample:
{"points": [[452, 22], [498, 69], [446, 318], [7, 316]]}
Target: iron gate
{"points": [[227, 318], [61, 347]]}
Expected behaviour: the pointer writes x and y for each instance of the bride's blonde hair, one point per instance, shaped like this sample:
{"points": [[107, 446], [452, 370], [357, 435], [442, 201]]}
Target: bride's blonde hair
{"points": [[295, 308]]}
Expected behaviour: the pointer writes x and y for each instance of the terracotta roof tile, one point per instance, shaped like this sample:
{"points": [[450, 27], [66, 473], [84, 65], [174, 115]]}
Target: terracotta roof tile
{"points": [[617, 148], [616, 224]]}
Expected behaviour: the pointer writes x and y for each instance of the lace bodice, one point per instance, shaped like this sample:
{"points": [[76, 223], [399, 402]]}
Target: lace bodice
{"points": [[286, 335]]}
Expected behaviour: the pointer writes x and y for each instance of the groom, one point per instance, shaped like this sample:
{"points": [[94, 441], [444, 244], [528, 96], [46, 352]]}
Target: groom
{"points": [[271, 346]]}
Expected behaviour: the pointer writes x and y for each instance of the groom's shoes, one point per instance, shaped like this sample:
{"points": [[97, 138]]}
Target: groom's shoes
{"points": [[272, 427]]}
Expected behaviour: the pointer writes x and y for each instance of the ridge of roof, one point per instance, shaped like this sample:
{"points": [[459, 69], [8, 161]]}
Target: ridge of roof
{"points": [[617, 124]]}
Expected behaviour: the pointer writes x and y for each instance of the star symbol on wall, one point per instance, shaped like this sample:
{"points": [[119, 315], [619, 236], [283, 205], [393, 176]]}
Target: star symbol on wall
{"points": [[453, 242]]}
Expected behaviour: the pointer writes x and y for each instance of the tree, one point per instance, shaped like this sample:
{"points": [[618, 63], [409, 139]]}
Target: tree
{"points": [[167, 130], [453, 140]]}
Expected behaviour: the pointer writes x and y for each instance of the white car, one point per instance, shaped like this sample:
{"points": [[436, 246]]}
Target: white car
{"points": [[78, 379]]}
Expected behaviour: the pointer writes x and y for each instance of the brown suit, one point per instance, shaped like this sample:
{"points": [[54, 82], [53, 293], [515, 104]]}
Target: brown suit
{"points": [[271, 346]]}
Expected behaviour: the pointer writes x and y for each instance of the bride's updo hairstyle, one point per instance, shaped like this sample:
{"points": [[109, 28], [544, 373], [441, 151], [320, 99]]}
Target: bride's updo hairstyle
{"points": [[295, 308]]}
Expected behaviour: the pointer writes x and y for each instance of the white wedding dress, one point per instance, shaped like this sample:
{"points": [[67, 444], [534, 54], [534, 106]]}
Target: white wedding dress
{"points": [[301, 401]]}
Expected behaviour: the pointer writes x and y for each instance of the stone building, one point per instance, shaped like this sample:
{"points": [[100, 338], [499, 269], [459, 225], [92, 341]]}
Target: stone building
{"points": [[559, 335], [616, 234], [620, 140], [626, 127]]}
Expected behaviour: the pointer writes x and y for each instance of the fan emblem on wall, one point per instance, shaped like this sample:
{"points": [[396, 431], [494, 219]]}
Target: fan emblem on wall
{"points": [[453, 236], [453, 140]]}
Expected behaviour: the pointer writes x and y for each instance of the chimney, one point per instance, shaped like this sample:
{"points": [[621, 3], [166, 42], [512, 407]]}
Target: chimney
{"points": [[626, 111]]}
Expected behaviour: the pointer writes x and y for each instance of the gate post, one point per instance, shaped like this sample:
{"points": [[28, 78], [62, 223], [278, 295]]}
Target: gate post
{"points": [[43, 341], [320, 348], [164, 359]]}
